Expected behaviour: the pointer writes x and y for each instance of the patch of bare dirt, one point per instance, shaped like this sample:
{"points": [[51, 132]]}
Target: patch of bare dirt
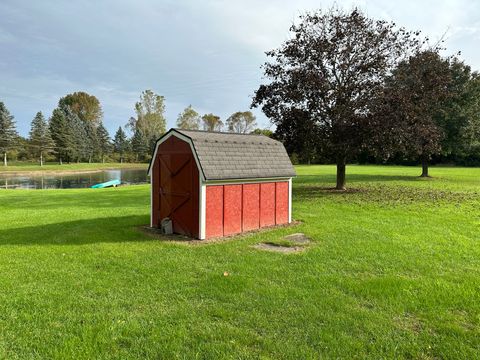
{"points": [[278, 248], [288, 244], [298, 238], [157, 234]]}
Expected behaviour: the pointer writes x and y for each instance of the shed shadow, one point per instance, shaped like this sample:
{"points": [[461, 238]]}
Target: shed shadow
{"points": [[78, 232]]}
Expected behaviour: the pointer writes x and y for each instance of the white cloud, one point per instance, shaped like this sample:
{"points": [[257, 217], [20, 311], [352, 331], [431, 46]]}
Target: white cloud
{"points": [[204, 53]]}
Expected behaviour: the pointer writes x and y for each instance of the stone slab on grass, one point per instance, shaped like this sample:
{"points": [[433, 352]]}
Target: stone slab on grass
{"points": [[278, 248], [288, 244], [298, 238]]}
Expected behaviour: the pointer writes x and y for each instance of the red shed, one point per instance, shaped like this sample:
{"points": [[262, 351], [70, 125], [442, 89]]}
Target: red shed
{"points": [[212, 184]]}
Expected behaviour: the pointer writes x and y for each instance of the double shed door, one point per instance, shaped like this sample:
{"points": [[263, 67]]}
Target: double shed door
{"points": [[178, 186]]}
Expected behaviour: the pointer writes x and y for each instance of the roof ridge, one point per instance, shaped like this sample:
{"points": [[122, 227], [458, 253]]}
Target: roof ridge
{"points": [[219, 132]]}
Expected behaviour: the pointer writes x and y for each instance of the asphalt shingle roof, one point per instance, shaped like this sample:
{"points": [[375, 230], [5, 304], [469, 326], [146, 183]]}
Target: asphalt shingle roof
{"points": [[237, 156]]}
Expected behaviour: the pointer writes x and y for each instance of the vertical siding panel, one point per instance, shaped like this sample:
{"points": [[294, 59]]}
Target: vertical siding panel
{"points": [[267, 204], [214, 209], [281, 206], [259, 205], [251, 208], [232, 209]]}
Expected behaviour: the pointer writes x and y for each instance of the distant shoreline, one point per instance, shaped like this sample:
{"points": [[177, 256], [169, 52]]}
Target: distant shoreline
{"points": [[57, 170]]}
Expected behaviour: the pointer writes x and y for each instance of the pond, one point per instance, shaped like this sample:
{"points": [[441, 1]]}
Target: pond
{"points": [[71, 181]]}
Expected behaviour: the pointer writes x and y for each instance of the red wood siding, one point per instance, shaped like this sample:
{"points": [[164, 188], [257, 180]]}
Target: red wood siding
{"points": [[175, 181], [267, 204], [214, 209], [231, 209], [281, 203], [251, 207]]}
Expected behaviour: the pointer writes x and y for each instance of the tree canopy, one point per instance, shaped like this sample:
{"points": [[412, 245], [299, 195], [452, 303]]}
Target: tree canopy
{"points": [[414, 94], [242, 122], [459, 117], [150, 117], [189, 119], [330, 70], [87, 107], [266, 132], [212, 122]]}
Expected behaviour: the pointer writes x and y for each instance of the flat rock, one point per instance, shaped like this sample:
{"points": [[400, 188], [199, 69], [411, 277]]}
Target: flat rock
{"points": [[278, 248], [298, 238]]}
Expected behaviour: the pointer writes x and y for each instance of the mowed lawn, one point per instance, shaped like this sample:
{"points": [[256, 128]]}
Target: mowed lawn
{"points": [[393, 271]]}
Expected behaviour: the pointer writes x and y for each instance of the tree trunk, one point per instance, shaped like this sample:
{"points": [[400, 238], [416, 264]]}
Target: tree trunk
{"points": [[341, 166], [103, 159], [60, 160], [5, 159], [41, 158], [424, 167]]}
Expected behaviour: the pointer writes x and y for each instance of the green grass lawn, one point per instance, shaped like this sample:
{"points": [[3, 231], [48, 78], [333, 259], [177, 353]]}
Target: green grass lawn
{"points": [[393, 271], [33, 167]]}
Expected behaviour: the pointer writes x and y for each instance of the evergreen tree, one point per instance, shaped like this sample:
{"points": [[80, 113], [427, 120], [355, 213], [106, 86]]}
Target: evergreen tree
{"points": [[8, 133], [92, 141], [140, 144], [104, 144], [41, 141], [81, 141], [189, 119], [120, 143], [62, 135]]}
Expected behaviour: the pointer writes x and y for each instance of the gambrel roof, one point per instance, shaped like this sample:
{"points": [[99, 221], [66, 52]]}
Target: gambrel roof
{"points": [[227, 156]]}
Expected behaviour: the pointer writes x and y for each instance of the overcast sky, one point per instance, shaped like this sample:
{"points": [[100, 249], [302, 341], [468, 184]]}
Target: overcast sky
{"points": [[204, 53]]}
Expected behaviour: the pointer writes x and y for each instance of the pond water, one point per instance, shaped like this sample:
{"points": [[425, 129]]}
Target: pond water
{"points": [[71, 181]]}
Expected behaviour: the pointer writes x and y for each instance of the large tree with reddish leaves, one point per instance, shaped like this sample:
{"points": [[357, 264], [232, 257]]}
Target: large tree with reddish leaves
{"points": [[414, 98], [331, 69]]}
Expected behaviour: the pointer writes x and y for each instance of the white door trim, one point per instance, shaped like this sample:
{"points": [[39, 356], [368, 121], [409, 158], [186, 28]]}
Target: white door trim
{"points": [[202, 208]]}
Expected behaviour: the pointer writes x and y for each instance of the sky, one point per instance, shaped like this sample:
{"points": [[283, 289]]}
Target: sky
{"points": [[202, 53]]}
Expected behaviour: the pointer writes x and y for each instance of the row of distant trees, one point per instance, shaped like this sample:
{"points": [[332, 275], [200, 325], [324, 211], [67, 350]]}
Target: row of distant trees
{"points": [[75, 131]]}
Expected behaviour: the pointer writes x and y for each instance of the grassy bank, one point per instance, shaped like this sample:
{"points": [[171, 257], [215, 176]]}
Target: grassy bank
{"points": [[392, 272], [23, 167]]}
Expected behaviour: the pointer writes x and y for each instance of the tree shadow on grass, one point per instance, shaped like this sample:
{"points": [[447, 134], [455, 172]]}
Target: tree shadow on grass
{"points": [[79, 232]]}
